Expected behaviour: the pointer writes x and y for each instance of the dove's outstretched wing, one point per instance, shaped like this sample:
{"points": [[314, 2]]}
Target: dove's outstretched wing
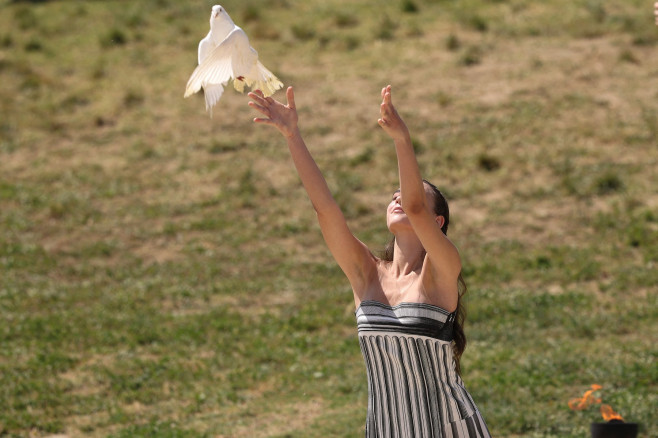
{"points": [[217, 68], [205, 47]]}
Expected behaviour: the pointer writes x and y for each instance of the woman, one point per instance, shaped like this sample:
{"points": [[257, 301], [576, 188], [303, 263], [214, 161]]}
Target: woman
{"points": [[408, 306]]}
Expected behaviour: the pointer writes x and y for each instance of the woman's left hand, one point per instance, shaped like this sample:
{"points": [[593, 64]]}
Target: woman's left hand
{"points": [[282, 117], [390, 120]]}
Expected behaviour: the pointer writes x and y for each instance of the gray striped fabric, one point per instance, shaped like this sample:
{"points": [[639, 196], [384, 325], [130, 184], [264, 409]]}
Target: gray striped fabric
{"points": [[413, 388]]}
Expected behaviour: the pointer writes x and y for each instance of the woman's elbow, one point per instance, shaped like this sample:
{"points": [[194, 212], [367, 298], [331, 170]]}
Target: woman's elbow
{"points": [[414, 208], [329, 209]]}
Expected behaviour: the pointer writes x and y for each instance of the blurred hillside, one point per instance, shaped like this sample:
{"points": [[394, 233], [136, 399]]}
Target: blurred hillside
{"points": [[162, 273]]}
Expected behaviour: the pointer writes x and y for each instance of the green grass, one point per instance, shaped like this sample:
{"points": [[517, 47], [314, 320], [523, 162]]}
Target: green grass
{"points": [[162, 274]]}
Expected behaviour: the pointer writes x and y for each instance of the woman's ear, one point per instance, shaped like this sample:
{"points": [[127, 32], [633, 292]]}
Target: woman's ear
{"points": [[440, 220]]}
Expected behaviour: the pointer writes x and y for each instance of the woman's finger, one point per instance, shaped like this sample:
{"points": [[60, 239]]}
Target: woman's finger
{"points": [[264, 121], [290, 96], [258, 98], [259, 94], [387, 97], [258, 107]]}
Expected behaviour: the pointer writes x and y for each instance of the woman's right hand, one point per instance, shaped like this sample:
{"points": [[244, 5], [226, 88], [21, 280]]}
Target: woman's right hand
{"points": [[283, 117], [390, 120]]}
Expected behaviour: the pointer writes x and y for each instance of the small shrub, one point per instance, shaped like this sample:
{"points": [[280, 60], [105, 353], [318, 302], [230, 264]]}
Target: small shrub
{"points": [[33, 45], [650, 118], [443, 99], [220, 147], [247, 184], [74, 100], [638, 235], [386, 29], [265, 32], [418, 146], [409, 7], [133, 98], [384, 33], [6, 41], [99, 70], [114, 37], [488, 163], [541, 262], [478, 23], [8, 144], [537, 64], [250, 14], [471, 56], [62, 205], [25, 17], [452, 43], [135, 20], [81, 11], [414, 31], [351, 42], [645, 39], [100, 121], [643, 35], [608, 183], [345, 20], [597, 11], [184, 29], [627, 55], [364, 157], [302, 32], [31, 82]]}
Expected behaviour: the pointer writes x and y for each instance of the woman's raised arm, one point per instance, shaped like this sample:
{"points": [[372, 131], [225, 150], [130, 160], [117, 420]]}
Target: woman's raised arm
{"points": [[442, 253], [351, 254]]}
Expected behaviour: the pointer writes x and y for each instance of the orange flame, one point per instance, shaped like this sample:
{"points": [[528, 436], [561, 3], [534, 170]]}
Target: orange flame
{"points": [[608, 414], [587, 400]]}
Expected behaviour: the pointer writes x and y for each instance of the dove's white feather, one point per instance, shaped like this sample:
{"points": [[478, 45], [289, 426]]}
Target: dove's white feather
{"points": [[225, 54], [265, 80], [205, 47], [212, 93]]}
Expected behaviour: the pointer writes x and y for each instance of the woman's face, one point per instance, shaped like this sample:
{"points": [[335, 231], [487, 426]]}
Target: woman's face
{"points": [[395, 216]]}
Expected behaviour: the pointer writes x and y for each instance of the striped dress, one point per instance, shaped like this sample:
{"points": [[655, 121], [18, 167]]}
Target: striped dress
{"points": [[413, 388]]}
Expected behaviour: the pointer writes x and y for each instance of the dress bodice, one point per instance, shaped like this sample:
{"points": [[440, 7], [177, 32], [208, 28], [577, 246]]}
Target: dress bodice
{"points": [[414, 390]]}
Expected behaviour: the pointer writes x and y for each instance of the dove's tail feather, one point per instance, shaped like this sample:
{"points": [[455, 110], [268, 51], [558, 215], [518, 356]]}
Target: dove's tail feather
{"points": [[260, 79], [212, 93], [239, 84], [266, 81]]}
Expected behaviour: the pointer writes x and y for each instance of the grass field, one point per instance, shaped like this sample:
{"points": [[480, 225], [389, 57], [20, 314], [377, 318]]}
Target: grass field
{"points": [[162, 273]]}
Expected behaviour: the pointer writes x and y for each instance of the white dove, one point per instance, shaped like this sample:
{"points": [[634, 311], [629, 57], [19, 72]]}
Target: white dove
{"points": [[225, 54]]}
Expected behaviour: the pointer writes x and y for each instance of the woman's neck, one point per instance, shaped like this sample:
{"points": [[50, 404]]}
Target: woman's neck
{"points": [[408, 255]]}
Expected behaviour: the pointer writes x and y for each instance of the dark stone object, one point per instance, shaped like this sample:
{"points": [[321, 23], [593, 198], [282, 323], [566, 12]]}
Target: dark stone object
{"points": [[614, 429]]}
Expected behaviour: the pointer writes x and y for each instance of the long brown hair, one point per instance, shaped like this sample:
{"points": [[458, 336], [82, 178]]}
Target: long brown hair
{"points": [[459, 342]]}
